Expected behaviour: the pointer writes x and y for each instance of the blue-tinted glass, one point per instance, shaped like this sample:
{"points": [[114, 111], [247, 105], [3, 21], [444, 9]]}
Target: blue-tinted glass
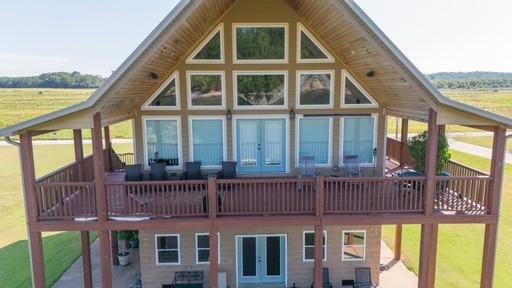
{"points": [[162, 141], [314, 139], [208, 141], [358, 134]]}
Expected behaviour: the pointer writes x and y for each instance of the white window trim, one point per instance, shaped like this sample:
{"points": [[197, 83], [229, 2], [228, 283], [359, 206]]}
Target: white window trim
{"points": [[331, 88], [375, 125], [297, 140], [344, 75], [260, 107], [218, 29], [189, 87], [173, 76], [156, 249], [191, 136], [302, 28], [343, 245], [262, 61], [197, 248], [304, 246], [286, 118], [145, 142]]}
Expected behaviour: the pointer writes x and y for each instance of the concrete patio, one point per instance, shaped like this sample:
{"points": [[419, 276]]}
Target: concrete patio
{"points": [[396, 274]]}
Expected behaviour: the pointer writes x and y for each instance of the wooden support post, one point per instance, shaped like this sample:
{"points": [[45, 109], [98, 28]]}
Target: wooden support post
{"points": [[493, 205], [430, 162], [106, 269], [108, 148], [319, 255], [398, 229], [319, 195], [442, 130], [214, 255], [115, 248], [398, 242], [37, 259], [212, 197]]}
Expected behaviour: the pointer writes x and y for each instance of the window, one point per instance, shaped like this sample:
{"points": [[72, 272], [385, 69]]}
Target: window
{"points": [[309, 246], [354, 246], [211, 50], [257, 89], [354, 95], [358, 138], [260, 43], [315, 89], [162, 141], [314, 139], [309, 50], [207, 140], [203, 248], [166, 97], [167, 249], [206, 90]]}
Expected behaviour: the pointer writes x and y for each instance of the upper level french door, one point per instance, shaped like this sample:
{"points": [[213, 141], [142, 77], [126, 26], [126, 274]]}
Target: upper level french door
{"points": [[261, 145]]}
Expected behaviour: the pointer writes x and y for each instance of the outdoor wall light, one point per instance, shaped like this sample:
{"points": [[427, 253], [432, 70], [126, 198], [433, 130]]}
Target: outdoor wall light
{"points": [[292, 114], [154, 76], [229, 115], [370, 73]]}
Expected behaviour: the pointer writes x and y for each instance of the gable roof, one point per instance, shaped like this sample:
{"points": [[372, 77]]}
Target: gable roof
{"points": [[349, 32]]}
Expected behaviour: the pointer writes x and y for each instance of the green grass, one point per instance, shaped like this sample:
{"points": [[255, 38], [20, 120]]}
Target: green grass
{"points": [[460, 246], [483, 141], [61, 249]]}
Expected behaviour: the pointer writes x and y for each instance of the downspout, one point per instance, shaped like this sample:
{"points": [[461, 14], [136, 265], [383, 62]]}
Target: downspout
{"points": [[8, 140]]}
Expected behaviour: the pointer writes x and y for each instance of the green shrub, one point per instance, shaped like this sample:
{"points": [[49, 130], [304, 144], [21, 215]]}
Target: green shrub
{"points": [[418, 151]]}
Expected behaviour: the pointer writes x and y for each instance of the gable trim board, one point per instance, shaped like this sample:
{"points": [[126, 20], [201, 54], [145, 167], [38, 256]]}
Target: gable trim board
{"points": [[185, 8]]}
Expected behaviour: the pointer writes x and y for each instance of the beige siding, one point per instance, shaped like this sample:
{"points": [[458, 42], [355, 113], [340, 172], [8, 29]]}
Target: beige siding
{"points": [[299, 272]]}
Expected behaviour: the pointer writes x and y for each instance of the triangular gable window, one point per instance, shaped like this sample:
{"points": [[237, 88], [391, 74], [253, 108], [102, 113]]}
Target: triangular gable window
{"points": [[166, 97], [354, 95], [309, 49], [211, 50]]}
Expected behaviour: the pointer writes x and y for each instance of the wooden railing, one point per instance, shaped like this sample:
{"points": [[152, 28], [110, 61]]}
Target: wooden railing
{"points": [[65, 200], [458, 169], [462, 193], [394, 151], [155, 199], [278, 196], [374, 195], [81, 171], [119, 161]]}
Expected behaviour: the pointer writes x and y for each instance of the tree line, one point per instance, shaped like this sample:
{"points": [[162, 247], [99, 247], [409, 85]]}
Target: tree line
{"points": [[471, 80], [53, 80]]}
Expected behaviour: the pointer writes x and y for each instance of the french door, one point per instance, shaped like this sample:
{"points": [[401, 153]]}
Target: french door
{"points": [[261, 145], [261, 259]]}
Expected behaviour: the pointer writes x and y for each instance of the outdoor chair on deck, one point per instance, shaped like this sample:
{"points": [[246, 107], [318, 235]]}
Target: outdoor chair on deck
{"points": [[352, 166], [188, 279], [228, 170], [192, 171], [326, 282], [364, 278], [158, 172], [133, 172]]}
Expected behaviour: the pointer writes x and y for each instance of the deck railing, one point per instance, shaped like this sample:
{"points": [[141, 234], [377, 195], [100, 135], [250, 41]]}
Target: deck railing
{"points": [[65, 200], [81, 171], [462, 193]]}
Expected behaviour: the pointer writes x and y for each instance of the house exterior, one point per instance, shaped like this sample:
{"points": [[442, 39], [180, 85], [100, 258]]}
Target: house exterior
{"points": [[267, 84]]}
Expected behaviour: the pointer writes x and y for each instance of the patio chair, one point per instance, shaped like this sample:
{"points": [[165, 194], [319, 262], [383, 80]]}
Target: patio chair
{"points": [[364, 278], [228, 170], [326, 282], [133, 172], [352, 166], [188, 279], [192, 171], [158, 172], [307, 166]]}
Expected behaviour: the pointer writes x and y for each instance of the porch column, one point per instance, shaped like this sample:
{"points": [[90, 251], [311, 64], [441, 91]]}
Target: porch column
{"points": [[114, 247], [398, 229], [214, 255], [428, 242], [493, 204], [101, 201], [35, 240], [108, 147], [84, 235], [319, 255]]}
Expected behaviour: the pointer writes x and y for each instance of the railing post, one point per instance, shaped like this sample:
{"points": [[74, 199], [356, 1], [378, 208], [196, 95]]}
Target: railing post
{"points": [[108, 148], [403, 139], [212, 197], [319, 195]]}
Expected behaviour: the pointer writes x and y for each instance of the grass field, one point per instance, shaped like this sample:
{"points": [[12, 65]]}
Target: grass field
{"points": [[460, 246], [61, 249], [484, 141]]}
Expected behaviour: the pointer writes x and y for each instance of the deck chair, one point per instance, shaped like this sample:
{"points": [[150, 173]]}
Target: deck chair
{"points": [[133, 172], [326, 282], [158, 172], [307, 166], [228, 170], [192, 171], [364, 278], [352, 166]]}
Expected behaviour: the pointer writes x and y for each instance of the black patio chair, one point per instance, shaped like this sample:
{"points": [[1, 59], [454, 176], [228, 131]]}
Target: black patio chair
{"points": [[326, 282], [158, 172], [228, 170], [364, 278], [192, 171], [133, 172]]}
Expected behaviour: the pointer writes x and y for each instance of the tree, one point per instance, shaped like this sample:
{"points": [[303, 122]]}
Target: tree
{"points": [[418, 151]]}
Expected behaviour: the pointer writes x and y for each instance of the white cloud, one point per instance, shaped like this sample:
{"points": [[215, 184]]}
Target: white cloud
{"points": [[12, 64]]}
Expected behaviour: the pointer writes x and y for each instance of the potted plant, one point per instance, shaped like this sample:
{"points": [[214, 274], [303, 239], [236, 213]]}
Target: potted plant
{"points": [[124, 255], [134, 240], [418, 151]]}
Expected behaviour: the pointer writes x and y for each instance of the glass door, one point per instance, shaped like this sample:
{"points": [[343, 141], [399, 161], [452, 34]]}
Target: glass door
{"points": [[261, 259]]}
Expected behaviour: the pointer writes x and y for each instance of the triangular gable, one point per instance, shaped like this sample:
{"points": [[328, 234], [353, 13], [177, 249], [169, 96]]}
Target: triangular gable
{"points": [[353, 95], [166, 97], [309, 49], [211, 50]]}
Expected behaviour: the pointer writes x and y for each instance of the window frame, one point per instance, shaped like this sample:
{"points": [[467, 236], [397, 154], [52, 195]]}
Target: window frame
{"points": [[178, 134], [304, 246], [260, 72], [261, 25], [197, 248], [191, 138], [298, 118], [343, 245], [344, 75], [189, 89], [375, 133], [157, 250], [302, 28], [315, 106], [218, 29], [147, 105]]}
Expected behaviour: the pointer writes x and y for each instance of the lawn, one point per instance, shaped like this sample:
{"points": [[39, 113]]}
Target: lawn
{"points": [[484, 141], [460, 246], [61, 249]]}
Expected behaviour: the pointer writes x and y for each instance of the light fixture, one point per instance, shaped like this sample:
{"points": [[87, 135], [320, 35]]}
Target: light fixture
{"points": [[154, 76], [292, 114], [229, 115], [370, 73]]}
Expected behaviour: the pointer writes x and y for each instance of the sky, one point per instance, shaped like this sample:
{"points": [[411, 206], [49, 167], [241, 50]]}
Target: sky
{"points": [[96, 36]]}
